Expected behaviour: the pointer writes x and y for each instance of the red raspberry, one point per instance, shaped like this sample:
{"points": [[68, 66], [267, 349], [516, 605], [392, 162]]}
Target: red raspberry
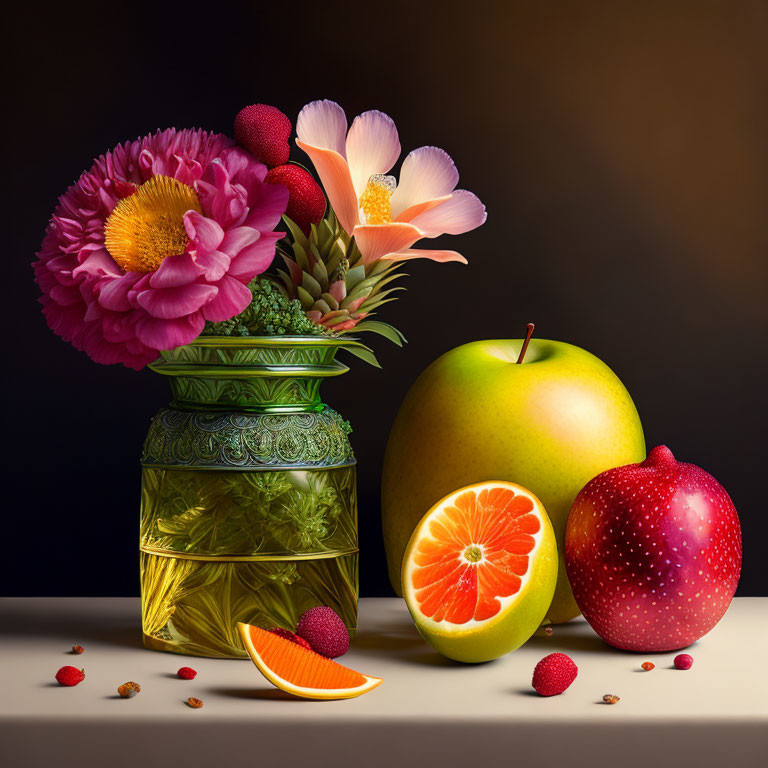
{"points": [[286, 634], [70, 676], [683, 661], [264, 131], [553, 674], [187, 673], [306, 204], [325, 631]]}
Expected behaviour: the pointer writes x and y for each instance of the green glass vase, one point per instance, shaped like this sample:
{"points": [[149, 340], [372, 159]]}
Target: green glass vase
{"points": [[248, 502]]}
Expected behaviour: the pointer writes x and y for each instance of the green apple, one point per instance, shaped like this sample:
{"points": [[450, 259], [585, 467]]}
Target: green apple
{"points": [[550, 424]]}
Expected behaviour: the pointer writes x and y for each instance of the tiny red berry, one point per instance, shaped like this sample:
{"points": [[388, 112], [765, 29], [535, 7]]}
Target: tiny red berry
{"points": [[187, 673], [77, 649], [69, 676], [683, 661], [553, 674], [648, 666], [548, 631]]}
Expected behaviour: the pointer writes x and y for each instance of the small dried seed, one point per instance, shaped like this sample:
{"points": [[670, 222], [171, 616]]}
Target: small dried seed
{"points": [[610, 698], [194, 703], [78, 649], [548, 631], [648, 666], [129, 690]]}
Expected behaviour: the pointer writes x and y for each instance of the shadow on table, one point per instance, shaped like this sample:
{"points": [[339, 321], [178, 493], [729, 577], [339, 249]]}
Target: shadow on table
{"points": [[255, 694], [393, 640], [575, 636], [72, 622]]}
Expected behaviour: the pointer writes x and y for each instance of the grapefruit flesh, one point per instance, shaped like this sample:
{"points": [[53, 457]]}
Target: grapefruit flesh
{"points": [[480, 570], [299, 671]]}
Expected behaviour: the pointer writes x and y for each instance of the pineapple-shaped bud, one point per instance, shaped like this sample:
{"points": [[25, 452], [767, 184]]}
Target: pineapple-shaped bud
{"points": [[326, 273]]}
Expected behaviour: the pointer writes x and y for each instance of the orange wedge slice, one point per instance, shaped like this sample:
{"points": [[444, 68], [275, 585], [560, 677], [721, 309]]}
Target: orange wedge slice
{"points": [[300, 672]]}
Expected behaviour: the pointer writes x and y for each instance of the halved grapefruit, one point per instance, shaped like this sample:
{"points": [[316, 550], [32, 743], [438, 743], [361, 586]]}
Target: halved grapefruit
{"points": [[296, 670], [480, 570]]}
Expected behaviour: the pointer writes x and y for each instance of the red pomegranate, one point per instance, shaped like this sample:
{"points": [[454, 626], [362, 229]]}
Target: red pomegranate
{"points": [[653, 553]]}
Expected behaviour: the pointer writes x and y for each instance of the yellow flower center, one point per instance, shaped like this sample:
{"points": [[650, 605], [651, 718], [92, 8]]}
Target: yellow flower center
{"points": [[376, 200], [148, 225]]}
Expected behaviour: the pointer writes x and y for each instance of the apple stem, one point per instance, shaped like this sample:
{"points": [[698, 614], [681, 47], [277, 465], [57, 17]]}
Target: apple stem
{"points": [[528, 333]]}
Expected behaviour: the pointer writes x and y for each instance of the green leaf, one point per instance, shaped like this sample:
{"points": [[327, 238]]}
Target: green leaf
{"points": [[361, 351], [384, 329], [361, 289], [330, 300], [306, 298], [354, 276], [337, 252], [322, 306], [378, 302], [377, 288], [383, 294], [325, 233], [309, 284], [300, 256], [287, 288], [296, 233], [319, 273]]}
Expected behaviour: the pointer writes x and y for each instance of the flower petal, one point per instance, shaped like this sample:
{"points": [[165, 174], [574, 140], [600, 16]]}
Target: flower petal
{"points": [[334, 175], [157, 333], [175, 271], [255, 258], [373, 146], [321, 131], [238, 238], [410, 213], [462, 212], [427, 173], [204, 233], [214, 264], [323, 124], [232, 297], [419, 253], [170, 303], [377, 240], [113, 292], [267, 204]]}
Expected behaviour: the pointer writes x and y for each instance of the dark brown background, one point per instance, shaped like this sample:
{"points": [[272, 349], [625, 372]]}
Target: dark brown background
{"points": [[622, 151]]}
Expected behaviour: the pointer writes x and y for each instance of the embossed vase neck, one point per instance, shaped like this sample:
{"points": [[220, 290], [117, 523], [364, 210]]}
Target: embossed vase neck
{"points": [[260, 374]]}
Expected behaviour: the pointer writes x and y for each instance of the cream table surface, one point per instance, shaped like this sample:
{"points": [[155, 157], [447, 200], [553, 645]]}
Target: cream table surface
{"points": [[428, 711]]}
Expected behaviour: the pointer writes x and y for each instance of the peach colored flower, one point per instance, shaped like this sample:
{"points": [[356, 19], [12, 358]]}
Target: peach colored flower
{"points": [[385, 218]]}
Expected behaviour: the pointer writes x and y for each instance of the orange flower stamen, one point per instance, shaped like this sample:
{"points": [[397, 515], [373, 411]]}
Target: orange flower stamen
{"points": [[148, 225], [376, 200]]}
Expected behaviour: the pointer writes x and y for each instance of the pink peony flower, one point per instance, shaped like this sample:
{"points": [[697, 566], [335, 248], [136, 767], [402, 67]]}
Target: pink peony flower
{"points": [[160, 235]]}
